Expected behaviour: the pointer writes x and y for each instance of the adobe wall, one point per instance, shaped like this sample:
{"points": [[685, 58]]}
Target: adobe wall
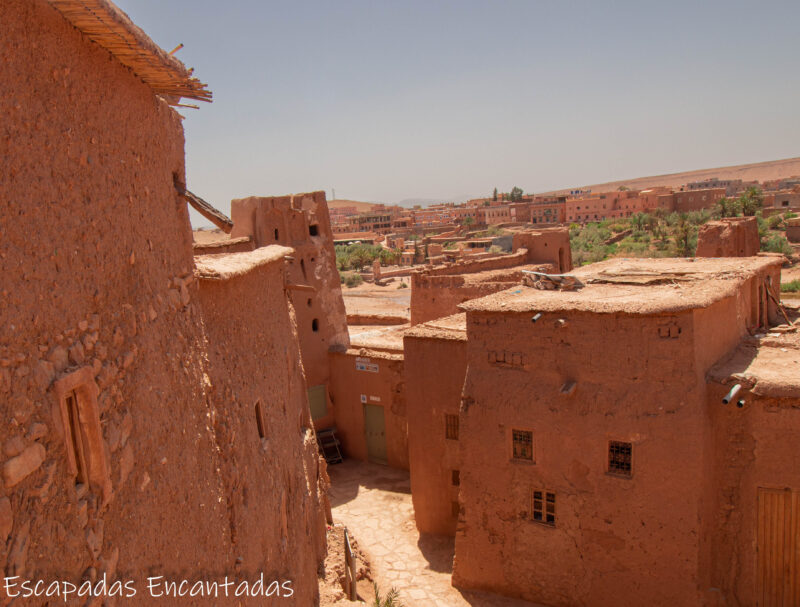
{"points": [[103, 302], [729, 237], [793, 230], [753, 447], [382, 384], [438, 296], [301, 221], [611, 533], [435, 366], [272, 484], [550, 245], [104, 287]]}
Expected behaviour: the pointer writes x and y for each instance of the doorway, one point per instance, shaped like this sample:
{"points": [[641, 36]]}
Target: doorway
{"points": [[375, 433], [778, 548]]}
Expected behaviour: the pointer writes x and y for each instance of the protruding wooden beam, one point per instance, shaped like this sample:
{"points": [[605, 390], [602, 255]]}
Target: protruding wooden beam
{"points": [[205, 209]]}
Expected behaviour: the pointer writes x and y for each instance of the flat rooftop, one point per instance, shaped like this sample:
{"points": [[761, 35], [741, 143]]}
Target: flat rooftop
{"points": [[230, 265], [449, 327], [769, 364], [635, 286], [380, 338]]}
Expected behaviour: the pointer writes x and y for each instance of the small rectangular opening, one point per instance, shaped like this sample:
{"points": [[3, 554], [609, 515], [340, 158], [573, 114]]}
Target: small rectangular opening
{"points": [[455, 477], [522, 445], [260, 420], [620, 458], [454, 509], [76, 440], [451, 426], [313, 230]]}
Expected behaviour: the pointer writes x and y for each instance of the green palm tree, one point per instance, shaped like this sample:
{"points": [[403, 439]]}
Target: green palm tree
{"points": [[392, 598]]}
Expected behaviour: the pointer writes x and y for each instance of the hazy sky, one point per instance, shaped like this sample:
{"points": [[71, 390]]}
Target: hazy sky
{"points": [[385, 101]]}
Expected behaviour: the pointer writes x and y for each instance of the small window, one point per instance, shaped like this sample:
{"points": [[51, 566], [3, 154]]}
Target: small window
{"points": [[544, 507], [309, 302], [455, 477], [315, 325], [451, 426], [313, 230], [276, 233], [522, 445], [454, 509], [260, 420], [619, 458], [76, 439]]}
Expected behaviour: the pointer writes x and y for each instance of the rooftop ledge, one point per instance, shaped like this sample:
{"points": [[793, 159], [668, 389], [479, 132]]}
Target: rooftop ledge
{"points": [[635, 286], [230, 265]]}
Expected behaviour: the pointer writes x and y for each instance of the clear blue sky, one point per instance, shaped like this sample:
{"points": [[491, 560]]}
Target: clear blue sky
{"points": [[386, 101]]}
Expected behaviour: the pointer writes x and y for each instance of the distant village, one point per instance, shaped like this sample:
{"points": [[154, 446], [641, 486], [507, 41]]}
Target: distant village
{"points": [[579, 206]]}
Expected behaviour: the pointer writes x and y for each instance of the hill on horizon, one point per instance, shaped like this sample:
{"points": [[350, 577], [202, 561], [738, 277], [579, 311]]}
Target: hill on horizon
{"points": [[757, 171]]}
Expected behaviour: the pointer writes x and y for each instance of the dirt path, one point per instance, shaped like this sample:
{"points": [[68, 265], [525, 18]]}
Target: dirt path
{"points": [[374, 502]]}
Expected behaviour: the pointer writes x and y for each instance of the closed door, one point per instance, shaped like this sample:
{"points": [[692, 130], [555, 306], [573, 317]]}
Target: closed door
{"points": [[778, 548], [375, 430]]}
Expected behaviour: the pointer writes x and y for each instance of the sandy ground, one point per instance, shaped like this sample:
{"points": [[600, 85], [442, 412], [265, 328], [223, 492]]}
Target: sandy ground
{"points": [[368, 299], [206, 236]]}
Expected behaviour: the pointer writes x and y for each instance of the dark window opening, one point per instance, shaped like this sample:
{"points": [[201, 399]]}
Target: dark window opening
{"points": [[619, 458], [276, 233], [303, 268], [451, 426], [455, 477], [309, 302], [454, 509], [522, 443], [315, 325], [260, 420], [544, 507], [81, 476], [313, 230]]}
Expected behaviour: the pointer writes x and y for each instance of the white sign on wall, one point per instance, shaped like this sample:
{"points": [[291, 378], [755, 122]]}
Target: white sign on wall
{"points": [[364, 364]]}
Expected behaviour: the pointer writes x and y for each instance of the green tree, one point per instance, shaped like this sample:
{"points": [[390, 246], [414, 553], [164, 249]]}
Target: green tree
{"points": [[516, 194], [469, 220], [494, 194], [751, 201], [685, 237], [728, 207]]}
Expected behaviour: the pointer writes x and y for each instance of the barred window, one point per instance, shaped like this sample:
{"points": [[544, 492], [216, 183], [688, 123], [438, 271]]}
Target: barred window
{"points": [[619, 458], [522, 444], [544, 507], [451, 426]]}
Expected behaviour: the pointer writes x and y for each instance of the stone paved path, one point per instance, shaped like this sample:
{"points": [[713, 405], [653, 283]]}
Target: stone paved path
{"points": [[374, 502]]}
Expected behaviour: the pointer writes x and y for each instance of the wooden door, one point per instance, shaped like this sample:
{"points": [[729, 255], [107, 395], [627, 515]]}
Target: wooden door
{"points": [[778, 548], [375, 431]]}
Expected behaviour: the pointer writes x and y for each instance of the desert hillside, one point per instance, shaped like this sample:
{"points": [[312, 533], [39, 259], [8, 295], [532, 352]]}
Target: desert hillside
{"points": [[759, 171]]}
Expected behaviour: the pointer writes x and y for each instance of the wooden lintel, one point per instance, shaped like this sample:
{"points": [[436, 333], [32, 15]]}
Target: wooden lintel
{"points": [[296, 287]]}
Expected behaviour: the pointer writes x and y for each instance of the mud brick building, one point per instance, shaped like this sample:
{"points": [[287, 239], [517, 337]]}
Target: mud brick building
{"points": [[590, 456]]}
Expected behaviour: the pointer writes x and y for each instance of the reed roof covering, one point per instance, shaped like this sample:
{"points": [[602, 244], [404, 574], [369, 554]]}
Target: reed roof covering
{"points": [[105, 24]]}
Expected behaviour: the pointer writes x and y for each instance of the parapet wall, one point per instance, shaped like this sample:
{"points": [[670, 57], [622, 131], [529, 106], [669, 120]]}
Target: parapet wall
{"points": [[436, 296], [729, 237]]}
